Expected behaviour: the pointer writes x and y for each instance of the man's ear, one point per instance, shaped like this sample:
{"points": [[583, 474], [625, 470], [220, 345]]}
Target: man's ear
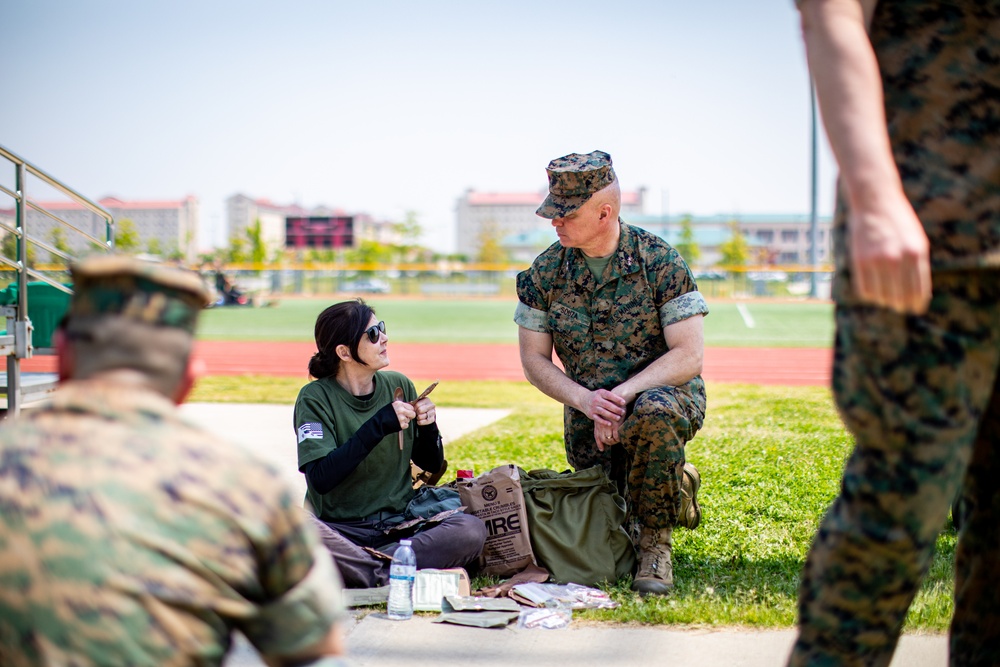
{"points": [[343, 353], [66, 364], [605, 212]]}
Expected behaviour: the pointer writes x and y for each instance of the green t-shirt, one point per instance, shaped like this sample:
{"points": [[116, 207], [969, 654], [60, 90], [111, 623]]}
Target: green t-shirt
{"points": [[598, 264], [326, 416]]}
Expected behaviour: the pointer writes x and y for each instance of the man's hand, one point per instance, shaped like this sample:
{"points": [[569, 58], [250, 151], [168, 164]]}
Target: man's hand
{"points": [[605, 436], [890, 258], [604, 407], [607, 410]]}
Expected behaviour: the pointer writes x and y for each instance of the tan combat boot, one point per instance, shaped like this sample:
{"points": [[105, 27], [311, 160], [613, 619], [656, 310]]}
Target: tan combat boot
{"points": [[656, 572], [690, 515]]}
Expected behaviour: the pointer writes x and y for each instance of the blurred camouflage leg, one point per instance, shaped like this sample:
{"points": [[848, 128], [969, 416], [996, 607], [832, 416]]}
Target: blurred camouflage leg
{"points": [[975, 627], [912, 390]]}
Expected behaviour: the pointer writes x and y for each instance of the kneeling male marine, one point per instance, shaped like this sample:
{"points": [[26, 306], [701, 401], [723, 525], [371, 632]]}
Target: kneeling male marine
{"points": [[622, 310]]}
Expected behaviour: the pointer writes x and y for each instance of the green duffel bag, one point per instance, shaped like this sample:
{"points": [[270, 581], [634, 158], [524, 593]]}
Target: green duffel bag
{"points": [[575, 523]]}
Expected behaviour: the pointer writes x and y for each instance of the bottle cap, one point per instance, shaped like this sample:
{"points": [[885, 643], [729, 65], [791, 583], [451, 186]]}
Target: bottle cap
{"points": [[404, 543]]}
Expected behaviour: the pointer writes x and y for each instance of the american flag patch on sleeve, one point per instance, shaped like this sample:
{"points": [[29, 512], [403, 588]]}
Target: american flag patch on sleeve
{"points": [[311, 431]]}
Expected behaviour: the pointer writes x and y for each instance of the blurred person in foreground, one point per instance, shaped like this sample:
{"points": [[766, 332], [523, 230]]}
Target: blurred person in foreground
{"points": [[910, 96], [130, 536], [621, 309], [358, 427]]}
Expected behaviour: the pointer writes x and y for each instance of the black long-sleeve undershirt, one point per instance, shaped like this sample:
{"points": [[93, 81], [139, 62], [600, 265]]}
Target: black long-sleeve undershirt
{"points": [[323, 475]]}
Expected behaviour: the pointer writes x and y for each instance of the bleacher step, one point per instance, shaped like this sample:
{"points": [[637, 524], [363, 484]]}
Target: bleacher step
{"points": [[34, 386]]}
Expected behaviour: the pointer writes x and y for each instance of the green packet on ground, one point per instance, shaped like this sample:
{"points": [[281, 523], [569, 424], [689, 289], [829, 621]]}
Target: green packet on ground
{"points": [[478, 612], [474, 603], [479, 619]]}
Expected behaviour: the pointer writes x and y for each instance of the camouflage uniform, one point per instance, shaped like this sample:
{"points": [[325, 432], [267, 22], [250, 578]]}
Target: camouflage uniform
{"points": [[920, 393], [128, 536], [606, 330]]}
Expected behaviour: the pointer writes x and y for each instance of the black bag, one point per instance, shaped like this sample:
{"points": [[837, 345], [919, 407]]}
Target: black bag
{"points": [[575, 524]]}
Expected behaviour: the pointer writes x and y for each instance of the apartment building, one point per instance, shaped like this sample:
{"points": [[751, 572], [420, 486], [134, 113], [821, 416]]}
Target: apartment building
{"points": [[480, 216], [166, 227], [773, 239]]}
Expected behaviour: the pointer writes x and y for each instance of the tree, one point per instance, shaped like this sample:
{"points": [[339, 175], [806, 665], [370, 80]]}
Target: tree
{"points": [[258, 248], [126, 236], [154, 247], [409, 230], [491, 251], [370, 252], [238, 252], [735, 250], [9, 247], [688, 247], [57, 239]]}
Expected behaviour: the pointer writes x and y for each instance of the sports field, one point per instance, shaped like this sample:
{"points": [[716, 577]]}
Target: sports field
{"points": [[770, 455], [729, 324]]}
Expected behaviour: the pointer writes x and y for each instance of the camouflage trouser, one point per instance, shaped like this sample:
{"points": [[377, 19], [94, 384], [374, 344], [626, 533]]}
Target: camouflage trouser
{"points": [[920, 396], [647, 465]]}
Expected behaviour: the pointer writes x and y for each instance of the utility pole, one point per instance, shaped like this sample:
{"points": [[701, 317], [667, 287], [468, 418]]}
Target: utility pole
{"points": [[813, 218]]}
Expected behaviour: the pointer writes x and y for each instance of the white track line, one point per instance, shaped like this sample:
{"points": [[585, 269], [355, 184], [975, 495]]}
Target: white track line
{"points": [[745, 314]]}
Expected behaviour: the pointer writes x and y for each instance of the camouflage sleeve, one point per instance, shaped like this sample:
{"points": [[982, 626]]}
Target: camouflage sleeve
{"points": [[313, 430], [530, 318], [682, 307], [303, 615], [532, 302], [301, 588], [529, 289], [677, 295]]}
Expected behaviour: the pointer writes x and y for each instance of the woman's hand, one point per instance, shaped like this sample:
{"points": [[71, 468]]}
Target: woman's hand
{"points": [[405, 413], [426, 413]]}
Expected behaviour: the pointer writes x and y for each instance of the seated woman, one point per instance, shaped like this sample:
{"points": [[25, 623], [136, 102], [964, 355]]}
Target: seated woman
{"points": [[357, 466]]}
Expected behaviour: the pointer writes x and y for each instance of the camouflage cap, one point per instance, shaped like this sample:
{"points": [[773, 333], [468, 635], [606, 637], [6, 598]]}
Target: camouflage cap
{"points": [[573, 179], [136, 290]]}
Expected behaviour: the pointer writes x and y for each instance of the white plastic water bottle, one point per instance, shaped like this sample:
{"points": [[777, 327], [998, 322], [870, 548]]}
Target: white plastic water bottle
{"points": [[402, 574]]}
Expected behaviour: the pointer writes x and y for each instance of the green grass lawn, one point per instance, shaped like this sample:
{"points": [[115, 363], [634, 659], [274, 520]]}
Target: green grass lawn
{"points": [[774, 324], [770, 459]]}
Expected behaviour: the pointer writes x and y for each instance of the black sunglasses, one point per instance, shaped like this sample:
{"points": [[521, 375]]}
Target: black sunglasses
{"points": [[374, 330]]}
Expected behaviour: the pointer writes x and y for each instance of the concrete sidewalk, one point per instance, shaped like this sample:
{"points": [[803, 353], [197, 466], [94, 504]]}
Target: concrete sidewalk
{"points": [[375, 640], [372, 639]]}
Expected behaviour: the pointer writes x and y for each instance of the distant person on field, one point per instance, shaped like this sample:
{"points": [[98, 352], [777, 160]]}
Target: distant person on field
{"points": [[621, 309], [129, 536], [229, 294], [355, 444], [910, 95]]}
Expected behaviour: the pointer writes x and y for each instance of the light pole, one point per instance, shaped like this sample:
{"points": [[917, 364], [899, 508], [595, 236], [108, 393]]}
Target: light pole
{"points": [[813, 220]]}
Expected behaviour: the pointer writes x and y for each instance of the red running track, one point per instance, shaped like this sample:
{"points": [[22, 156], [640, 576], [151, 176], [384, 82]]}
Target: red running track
{"points": [[768, 366]]}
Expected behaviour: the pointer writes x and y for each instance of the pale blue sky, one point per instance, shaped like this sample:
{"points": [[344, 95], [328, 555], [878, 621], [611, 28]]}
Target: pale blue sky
{"points": [[385, 107]]}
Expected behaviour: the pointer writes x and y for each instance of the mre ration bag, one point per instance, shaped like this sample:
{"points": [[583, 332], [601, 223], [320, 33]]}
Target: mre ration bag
{"points": [[496, 498]]}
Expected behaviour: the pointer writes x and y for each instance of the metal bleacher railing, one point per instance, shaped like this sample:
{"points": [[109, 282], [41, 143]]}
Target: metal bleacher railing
{"points": [[17, 341]]}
